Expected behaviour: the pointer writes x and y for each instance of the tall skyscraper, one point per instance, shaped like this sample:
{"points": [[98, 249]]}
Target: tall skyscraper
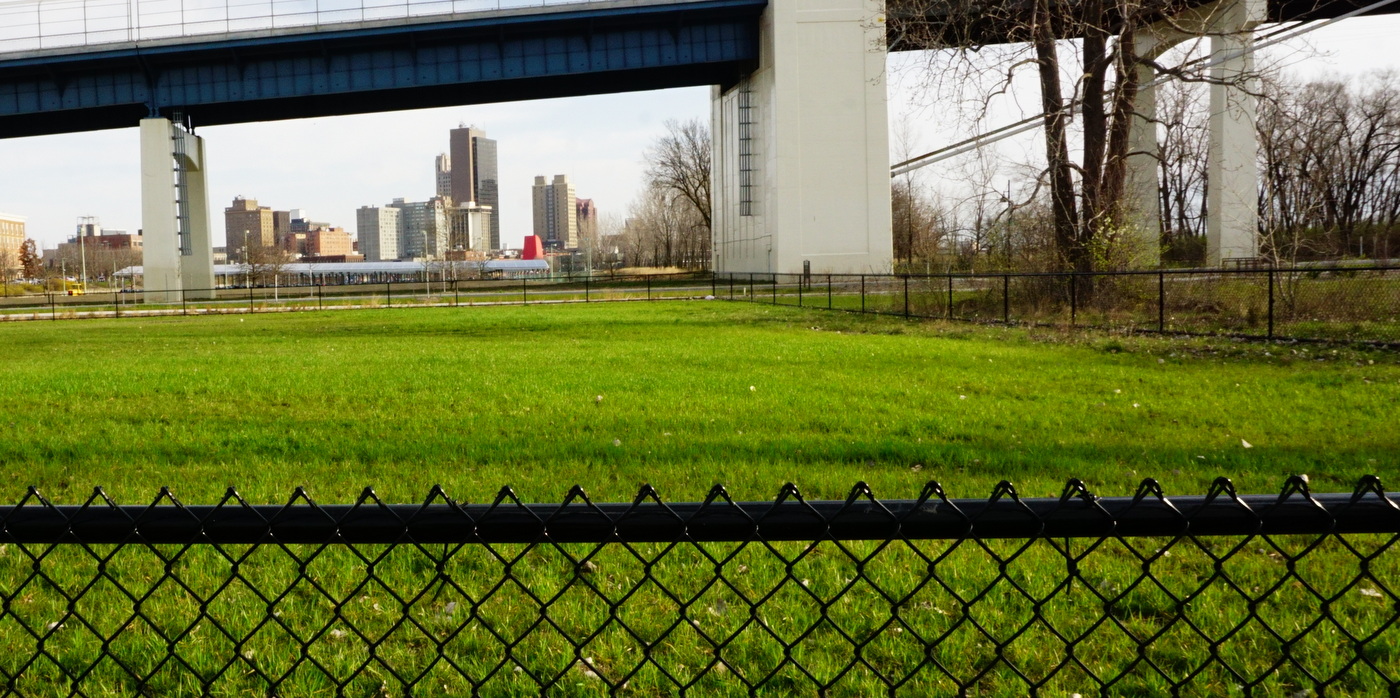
{"points": [[442, 174], [378, 228], [556, 213], [472, 162]]}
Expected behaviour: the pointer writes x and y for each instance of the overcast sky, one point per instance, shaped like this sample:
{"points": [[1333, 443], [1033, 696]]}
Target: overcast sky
{"points": [[331, 166]]}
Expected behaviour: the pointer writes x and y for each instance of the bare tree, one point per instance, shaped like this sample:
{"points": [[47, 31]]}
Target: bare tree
{"points": [[264, 264], [1086, 158], [680, 161], [9, 266], [664, 230], [1182, 170], [1330, 153]]}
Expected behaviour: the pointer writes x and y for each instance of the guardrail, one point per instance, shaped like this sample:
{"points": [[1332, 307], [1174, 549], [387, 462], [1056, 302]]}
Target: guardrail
{"points": [[29, 25], [1144, 595]]}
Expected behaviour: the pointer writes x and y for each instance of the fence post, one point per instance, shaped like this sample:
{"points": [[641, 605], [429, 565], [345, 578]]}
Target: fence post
{"points": [[388, 293], [714, 285], [1161, 301], [862, 294], [455, 301], [53, 307], [800, 282], [1271, 303], [116, 304], [320, 302], [648, 287], [524, 290], [906, 296], [183, 309], [774, 279], [250, 299], [1073, 297], [585, 289], [1006, 299], [753, 292], [731, 287], [828, 292]]}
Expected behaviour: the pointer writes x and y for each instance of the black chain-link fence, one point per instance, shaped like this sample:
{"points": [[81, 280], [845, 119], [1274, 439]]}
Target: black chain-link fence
{"points": [[1222, 594], [336, 295], [1329, 304]]}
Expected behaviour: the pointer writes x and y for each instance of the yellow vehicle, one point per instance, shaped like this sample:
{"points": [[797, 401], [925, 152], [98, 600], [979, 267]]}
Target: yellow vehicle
{"points": [[66, 287]]}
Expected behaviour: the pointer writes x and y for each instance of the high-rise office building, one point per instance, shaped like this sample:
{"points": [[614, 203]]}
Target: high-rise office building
{"points": [[442, 174], [247, 225], [378, 228], [472, 162], [424, 227], [556, 213]]}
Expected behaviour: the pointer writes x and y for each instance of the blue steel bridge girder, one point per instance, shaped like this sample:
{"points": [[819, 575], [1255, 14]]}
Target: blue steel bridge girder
{"points": [[383, 68]]}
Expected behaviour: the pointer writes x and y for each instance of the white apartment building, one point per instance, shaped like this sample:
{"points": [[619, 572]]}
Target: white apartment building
{"points": [[378, 228]]}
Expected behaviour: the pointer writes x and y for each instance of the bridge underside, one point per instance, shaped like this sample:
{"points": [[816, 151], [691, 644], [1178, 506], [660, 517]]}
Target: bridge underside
{"points": [[801, 157], [930, 24], [383, 68]]}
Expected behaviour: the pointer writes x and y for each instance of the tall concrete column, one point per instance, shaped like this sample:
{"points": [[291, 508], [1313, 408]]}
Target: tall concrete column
{"points": [[174, 214], [801, 146], [1144, 156], [1232, 194]]}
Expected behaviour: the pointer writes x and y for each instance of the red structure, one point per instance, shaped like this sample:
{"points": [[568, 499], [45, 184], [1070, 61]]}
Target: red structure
{"points": [[534, 248]]}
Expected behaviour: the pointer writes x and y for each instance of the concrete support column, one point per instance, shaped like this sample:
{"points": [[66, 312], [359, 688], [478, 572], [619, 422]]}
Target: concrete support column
{"points": [[174, 214], [801, 146], [1144, 155], [159, 218], [1232, 194], [197, 260]]}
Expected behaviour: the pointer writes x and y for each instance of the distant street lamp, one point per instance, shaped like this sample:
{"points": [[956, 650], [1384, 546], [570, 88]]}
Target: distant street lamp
{"points": [[82, 253]]}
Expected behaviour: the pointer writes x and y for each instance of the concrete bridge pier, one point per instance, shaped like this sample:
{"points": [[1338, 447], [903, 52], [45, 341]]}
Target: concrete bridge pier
{"points": [[178, 251], [801, 145], [1232, 195]]}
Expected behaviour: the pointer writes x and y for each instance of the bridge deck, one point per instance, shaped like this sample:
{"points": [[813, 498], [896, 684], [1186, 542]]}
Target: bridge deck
{"points": [[100, 68], [281, 73]]}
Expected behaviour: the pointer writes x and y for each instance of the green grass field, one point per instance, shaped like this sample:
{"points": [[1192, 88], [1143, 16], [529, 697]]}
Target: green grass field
{"points": [[693, 394]]}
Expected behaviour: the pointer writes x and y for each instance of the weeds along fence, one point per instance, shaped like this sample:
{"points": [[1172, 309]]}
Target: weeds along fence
{"points": [[328, 296], [1144, 595], [1354, 304]]}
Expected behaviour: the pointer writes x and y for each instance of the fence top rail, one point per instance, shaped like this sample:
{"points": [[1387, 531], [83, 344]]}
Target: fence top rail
{"points": [[1077, 513]]}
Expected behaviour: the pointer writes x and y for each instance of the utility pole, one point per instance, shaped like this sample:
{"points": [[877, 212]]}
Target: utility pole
{"points": [[85, 223]]}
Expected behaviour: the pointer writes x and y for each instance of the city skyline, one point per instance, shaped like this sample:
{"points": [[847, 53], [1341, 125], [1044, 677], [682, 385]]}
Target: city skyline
{"points": [[329, 168]]}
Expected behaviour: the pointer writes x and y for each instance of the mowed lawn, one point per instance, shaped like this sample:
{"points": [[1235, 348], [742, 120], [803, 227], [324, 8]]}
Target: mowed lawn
{"points": [[679, 395]]}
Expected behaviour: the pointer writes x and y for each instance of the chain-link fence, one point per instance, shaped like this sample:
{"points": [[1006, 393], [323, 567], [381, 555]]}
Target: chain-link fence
{"points": [[134, 302], [1360, 304], [1220, 594]]}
